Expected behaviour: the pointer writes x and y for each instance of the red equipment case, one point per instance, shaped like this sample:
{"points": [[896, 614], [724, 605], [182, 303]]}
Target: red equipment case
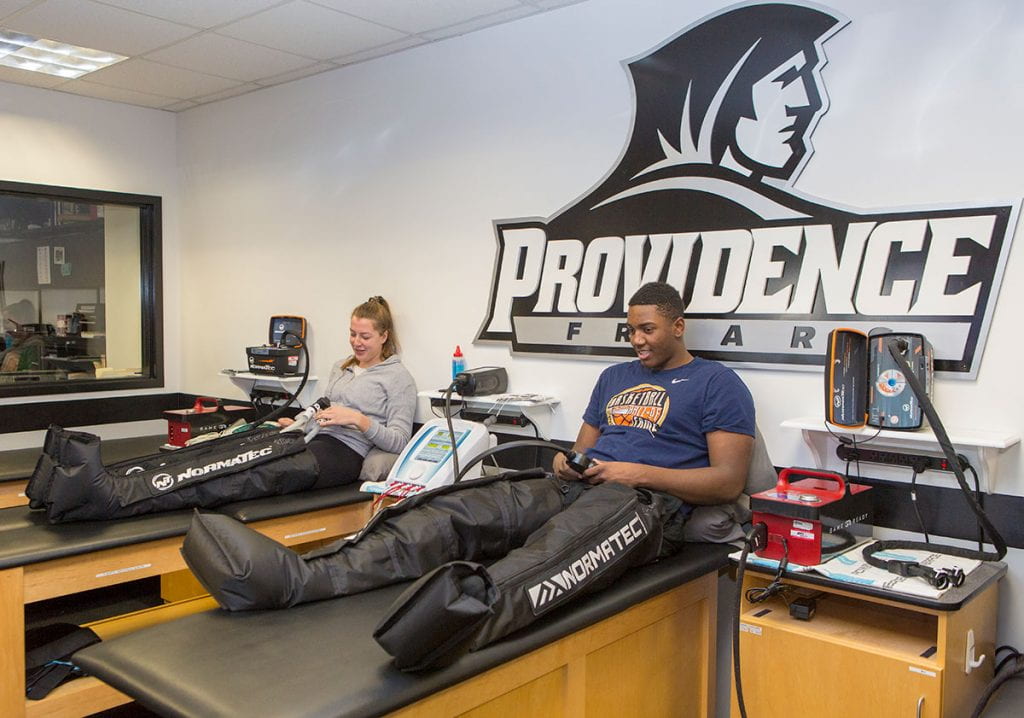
{"points": [[818, 516], [206, 415]]}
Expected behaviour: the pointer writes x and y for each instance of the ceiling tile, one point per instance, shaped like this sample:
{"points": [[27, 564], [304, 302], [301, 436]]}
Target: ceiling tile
{"points": [[117, 94], [380, 50], [101, 27], [310, 30], [230, 92], [156, 78], [9, 6], [481, 22], [179, 106], [552, 4], [418, 16], [313, 69], [225, 56], [24, 77], [197, 13]]}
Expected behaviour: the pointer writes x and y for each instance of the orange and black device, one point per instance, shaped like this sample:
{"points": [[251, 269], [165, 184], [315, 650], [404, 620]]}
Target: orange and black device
{"points": [[280, 356], [846, 378]]}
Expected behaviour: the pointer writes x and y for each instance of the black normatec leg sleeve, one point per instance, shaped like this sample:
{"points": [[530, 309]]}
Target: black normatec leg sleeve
{"points": [[607, 530], [476, 521], [71, 483], [553, 540]]}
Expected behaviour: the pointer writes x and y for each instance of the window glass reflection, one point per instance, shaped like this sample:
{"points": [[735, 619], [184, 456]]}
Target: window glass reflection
{"points": [[70, 291]]}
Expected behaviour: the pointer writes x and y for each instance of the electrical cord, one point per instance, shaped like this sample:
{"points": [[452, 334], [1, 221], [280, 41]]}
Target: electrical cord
{"points": [[759, 594], [851, 439], [755, 539], [1010, 667], [537, 443], [520, 444], [980, 498], [457, 412], [451, 428], [1013, 653], [913, 500], [941, 578], [536, 435]]}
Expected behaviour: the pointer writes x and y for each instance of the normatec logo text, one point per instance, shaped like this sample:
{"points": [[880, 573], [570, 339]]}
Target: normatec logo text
{"points": [[702, 198], [580, 569], [162, 482]]}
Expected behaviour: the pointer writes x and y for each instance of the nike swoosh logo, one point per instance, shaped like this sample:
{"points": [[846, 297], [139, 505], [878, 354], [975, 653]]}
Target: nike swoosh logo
{"points": [[676, 381]]}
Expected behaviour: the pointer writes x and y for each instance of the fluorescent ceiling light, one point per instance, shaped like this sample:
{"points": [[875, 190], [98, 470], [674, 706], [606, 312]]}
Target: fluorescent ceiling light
{"points": [[25, 52]]}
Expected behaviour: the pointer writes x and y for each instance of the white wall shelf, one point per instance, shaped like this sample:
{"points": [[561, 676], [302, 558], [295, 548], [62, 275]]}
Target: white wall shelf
{"points": [[535, 407], [982, 447], [247, 381]]}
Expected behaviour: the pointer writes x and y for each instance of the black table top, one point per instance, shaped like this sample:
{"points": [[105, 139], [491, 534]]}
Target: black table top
{"points": [[320, 659], [26, 537]]}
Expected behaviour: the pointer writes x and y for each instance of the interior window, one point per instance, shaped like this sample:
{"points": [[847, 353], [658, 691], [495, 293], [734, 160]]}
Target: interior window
{"points": [[79, 290]]}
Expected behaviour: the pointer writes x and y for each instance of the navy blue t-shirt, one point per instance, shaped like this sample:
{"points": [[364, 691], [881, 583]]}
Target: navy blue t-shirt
{"points": [[660, 418]]}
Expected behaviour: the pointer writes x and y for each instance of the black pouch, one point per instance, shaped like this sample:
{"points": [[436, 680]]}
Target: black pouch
{"points": [[48, 651]]}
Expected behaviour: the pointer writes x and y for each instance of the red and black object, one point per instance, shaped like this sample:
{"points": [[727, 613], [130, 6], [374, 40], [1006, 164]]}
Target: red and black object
{"points": [[207, 414], [818, 515]]}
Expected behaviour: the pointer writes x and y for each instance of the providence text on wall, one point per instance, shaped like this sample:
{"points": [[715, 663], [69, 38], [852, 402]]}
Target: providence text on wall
{"points": [[702, 196]]}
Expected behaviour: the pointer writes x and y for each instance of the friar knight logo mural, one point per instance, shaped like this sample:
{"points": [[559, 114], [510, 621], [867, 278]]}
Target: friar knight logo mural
{"points": [[702, 197]]}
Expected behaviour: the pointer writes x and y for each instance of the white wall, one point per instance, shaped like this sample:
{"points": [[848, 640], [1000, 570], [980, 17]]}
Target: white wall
{"points": [[385, 177], [55, 138]]}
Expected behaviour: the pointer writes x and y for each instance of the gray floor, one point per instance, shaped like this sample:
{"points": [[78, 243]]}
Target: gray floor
{"points": [[1008, 701]]}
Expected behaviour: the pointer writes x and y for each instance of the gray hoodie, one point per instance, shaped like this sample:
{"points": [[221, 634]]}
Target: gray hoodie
{"points": [[386, 393]]}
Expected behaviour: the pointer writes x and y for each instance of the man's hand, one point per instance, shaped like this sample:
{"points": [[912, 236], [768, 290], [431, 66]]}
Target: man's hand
{"points": [[620, 472], [562, 469], [585, 439], [719, 483]]}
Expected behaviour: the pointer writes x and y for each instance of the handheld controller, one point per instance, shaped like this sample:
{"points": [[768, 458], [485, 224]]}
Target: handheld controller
{"points": [[578, 461]]}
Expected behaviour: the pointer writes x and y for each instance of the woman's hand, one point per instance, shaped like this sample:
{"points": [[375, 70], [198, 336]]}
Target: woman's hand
{"points": [[285, 421], [343, 416]]}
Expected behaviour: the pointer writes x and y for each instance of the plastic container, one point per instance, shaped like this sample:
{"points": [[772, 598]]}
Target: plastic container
{"points": [[458, 362]]}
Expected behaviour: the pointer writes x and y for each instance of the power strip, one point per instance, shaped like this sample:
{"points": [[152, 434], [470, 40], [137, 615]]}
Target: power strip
{"points": [[498, 418], [918, 462]]}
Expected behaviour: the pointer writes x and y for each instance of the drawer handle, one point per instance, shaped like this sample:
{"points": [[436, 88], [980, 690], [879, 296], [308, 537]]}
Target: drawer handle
{"points": [[920, 705]]}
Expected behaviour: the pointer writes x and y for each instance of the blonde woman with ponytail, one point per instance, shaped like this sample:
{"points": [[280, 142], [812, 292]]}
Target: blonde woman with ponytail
{"points": [[373, 398]]}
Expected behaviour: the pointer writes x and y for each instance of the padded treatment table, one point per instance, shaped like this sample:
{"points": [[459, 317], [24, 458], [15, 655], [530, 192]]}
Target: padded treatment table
{"points": [[644, 646], [39, 560]]}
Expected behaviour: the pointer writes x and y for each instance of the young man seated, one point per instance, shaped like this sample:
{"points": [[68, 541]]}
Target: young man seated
{"points": [[666, 432]]}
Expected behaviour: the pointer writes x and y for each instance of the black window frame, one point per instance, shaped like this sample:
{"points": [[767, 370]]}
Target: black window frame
{"points": [[151, 287]]}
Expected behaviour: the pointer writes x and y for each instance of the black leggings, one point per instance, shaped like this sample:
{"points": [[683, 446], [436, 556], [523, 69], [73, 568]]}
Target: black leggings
{"points": [[339, 463]]}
